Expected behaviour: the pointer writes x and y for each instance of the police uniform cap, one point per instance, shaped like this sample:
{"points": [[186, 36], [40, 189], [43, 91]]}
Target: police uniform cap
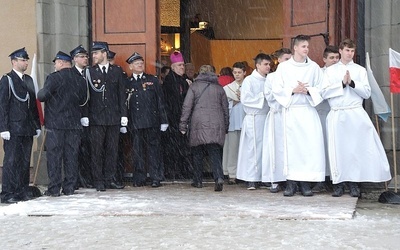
{"points": [[78, 50], [110, 55], [97, 45], [62, 56], [19, 54], [135, 56]]}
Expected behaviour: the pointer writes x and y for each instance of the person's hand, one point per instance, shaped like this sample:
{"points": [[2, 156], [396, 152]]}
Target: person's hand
{"points": [[124, 121], [123, 130], [5, 135], [347, 78], [301, 88], [38, 132], [164, 127], [85, 121]]}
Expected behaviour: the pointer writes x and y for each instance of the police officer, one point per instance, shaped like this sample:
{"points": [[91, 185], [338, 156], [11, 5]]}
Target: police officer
{"points": [[19, 122], [64, 94], [147, 116], [107, 112], [85, 179]]}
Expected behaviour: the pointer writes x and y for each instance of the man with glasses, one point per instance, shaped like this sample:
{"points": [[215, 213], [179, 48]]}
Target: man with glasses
{"points": [[19, 123], [80, 57]]}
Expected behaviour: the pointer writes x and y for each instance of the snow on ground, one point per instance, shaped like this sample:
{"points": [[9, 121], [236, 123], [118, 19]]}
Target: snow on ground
{"points": [[181, 217]]}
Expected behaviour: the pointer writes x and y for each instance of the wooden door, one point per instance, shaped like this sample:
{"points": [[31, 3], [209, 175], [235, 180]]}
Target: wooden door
{"points": [[128, 26], [309, 17]]}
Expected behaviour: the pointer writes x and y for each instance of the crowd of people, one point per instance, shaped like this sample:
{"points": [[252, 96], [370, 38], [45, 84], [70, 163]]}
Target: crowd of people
{"points": [[301, 128]]}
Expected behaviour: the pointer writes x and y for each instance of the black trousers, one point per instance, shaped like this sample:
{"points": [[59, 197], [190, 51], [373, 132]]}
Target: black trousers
{"points": [[62, 147], [16, 163], [104, 153], [214, 153], [177, 154], [85, 178], [146, 146]]}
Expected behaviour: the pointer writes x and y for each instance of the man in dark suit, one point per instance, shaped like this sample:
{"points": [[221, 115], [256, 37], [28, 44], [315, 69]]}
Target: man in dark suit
{"points": [[85, 179], [64, 94], [19, 122], [147, 117], [107, 112]]}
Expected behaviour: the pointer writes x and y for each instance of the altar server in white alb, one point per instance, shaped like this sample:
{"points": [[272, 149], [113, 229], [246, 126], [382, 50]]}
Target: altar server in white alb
{"points": [[355, 151], [296, 87], [256, 109], [273, 153]]}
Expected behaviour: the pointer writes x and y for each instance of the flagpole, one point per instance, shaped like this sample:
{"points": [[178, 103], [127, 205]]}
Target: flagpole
{"points": [[394, 145], [377, 125]]}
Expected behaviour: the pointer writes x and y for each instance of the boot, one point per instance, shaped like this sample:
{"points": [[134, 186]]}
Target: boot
{"points": [[219, 184], [338, 190], [290, 188], [305, 188], [354, 189]]}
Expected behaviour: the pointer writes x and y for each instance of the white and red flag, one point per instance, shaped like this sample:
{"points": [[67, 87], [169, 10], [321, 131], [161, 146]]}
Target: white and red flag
{"points": [[35, 83], [394, 71]]}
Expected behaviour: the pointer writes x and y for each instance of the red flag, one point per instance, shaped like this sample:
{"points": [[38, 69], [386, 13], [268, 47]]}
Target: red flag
{"points": [[394, 71], [35, 83]]}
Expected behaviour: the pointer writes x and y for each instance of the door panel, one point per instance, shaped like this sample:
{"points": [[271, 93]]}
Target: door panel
{"points": [[128, 26], [307, 17]]}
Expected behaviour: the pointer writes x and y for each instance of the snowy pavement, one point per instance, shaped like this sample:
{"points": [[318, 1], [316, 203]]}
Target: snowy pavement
{"points": [[178, 216]]}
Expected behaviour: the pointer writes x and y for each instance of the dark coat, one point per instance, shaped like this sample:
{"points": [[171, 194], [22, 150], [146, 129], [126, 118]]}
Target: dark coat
{"points": [[63, 92], [175, 88], [146, 104], [108, 106], [20, 118], [209, 117]]}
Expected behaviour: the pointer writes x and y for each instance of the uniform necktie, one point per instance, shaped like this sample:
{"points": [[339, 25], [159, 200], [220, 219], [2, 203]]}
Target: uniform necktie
{"points": [[137, 77], [104, 71]]}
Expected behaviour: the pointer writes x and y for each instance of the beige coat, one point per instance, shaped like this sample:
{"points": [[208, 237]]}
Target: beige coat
{"points": [[209, 118]]}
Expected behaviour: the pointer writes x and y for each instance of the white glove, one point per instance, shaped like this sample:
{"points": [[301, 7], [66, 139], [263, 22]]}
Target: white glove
{"points": [[85, 121], [123, 130], [38, 132], [164, 127], [5, 135], [124, 121]]}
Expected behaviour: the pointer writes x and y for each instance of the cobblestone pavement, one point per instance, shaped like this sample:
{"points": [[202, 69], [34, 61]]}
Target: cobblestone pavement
{"points": [[178, 216]]}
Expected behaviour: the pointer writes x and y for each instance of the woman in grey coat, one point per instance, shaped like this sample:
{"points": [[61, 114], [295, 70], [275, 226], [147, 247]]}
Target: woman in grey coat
{"points": [[205, 115]]}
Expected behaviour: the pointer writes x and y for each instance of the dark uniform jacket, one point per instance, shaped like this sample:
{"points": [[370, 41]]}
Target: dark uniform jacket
{"points": [[64, 94], [20, 118], [108, 106], [175, 88], [145, 103]]}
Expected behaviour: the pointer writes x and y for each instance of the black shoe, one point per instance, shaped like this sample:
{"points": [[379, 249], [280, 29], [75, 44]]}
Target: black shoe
{"points": [[48, 193], [25, 197], [338, 190], [275, 189], [291, 187], [305, 188], [319, 187], [197, 184], [219, 185], [100, 188], [354, 189], [114, 185], [67, 192], [138, 184], [11, 200], [251, 185], [156, 184]]}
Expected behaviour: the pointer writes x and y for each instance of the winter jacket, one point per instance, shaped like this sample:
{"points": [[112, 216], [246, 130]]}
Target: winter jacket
{"points": [[208, 115]]}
